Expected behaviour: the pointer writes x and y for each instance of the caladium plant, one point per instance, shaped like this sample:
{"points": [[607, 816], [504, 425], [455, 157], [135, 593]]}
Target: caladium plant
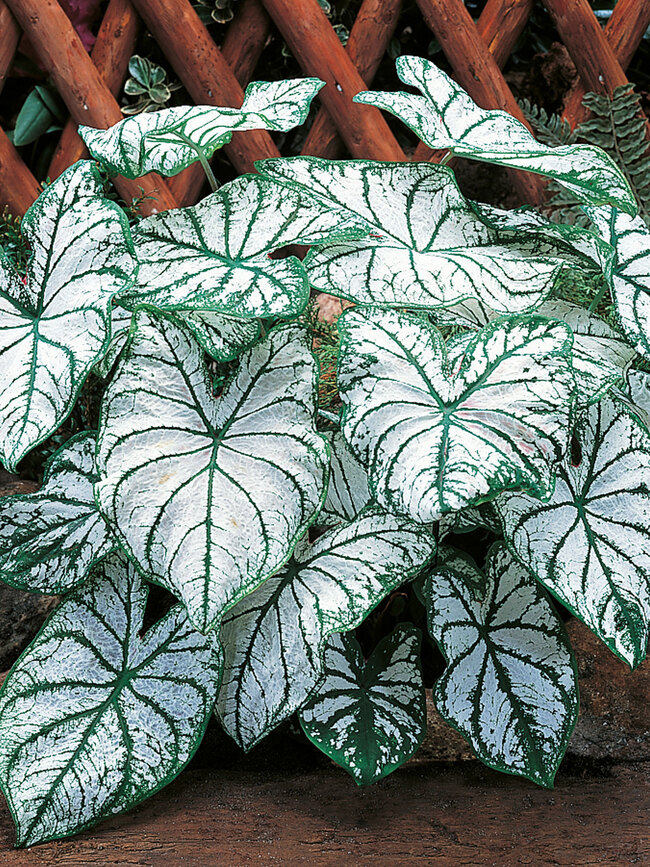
{"points": [[477, 473]]}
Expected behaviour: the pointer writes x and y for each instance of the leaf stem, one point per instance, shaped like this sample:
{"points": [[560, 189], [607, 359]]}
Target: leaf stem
{"points": [[599, 297], [207, 168], [446, 158]]}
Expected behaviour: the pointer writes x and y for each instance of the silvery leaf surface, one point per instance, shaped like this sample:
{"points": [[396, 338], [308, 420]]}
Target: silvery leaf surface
{"points": [[50, 540], [436, 440], [216, 256], [222, 337], [510, 686], [167, 141], [274, 639], [637, 395], [589, 544], [55, 325], [347, 492], [95, 718], [630, 277], [369, 716], [468, 520], [444, 116], [231, 483], [120, 324], [427, 245]]}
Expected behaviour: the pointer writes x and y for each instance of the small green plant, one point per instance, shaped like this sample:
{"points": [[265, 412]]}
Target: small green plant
{"points": [[282, 504], [149, 83]]}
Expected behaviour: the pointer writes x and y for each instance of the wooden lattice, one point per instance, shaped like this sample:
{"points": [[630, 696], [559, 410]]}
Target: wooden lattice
{"points": [[216, 75]]}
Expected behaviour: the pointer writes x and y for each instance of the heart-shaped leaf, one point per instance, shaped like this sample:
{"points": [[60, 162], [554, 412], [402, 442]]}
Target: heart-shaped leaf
{"points": [[215, 256], [56, 324], [590, 543], [274, 639], [510, 686], [94, 718], [369, 717], [120, 324], [232, 483], [427, 245], [436, 438], [50, 540], [347, 492], [444, 116], [630, 274], [169, 140]]}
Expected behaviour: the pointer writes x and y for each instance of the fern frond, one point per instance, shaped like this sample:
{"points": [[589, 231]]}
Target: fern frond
{"points": [[550, 129]]}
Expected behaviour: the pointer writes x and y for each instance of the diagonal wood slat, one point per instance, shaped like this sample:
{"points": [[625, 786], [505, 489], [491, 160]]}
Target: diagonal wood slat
{"points": [[9, 38]]}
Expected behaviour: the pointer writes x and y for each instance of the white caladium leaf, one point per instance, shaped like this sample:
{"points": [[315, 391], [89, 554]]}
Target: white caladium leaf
{"points": [[50, 540], [510, 686], [427, 245], [590, 543], [437, 440], [222, 337], [369, 717], [637, 395], [120, 324], [169, 140], [630, 274], [347, 493], [444, 116], [468, 520], [274, 639], [215, 256], [95, 718], [232, 483], [56, 324]]}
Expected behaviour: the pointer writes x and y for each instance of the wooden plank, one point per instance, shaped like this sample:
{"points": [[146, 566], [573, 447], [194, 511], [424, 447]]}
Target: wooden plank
{"points": [[203, 70], [9, 38], [114, 46], [369, 37], [245, 39], [80, 85], [315, 45], [18, 186], [478, 72], [623, 32], [499, 25], [421, 814]]}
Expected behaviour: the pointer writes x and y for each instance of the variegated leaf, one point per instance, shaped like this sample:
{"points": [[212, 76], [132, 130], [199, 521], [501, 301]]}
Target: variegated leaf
{"points": [[222, 337], [274, 639], [215, 256], [231, 484], [590, 543], [436, 440], [510, 686], [630, 274], [55, 325], [120, 324], [50, 540], [444, 116], [169, 140], [347, 493], [369, 716], [428, 246], [95, 718], [637, 395]]}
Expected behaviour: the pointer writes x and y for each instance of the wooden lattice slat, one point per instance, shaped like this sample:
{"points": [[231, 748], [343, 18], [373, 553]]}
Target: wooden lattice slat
{"points": [[476, 51]]}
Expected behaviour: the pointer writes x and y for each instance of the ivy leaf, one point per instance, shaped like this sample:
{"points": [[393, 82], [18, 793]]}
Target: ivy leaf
{"points": [[347, 493], [630, 274], [369, 717], [231, 484], [590, 543], [55, 325], [215, 256], [510, 686], [427, 245], [50, 540], [435, 439], [168, 141], [94, 718], [274, 639], [444, 116]]}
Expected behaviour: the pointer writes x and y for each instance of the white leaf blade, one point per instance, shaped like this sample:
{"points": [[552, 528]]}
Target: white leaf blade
{"points": [[89, 705], [166, 141], [444, 116], [436, 440], [510, 686], [51, 539], [347, 492], [369, 717], [274, 639], [233, 483], [57, 327], [590, 543]]}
